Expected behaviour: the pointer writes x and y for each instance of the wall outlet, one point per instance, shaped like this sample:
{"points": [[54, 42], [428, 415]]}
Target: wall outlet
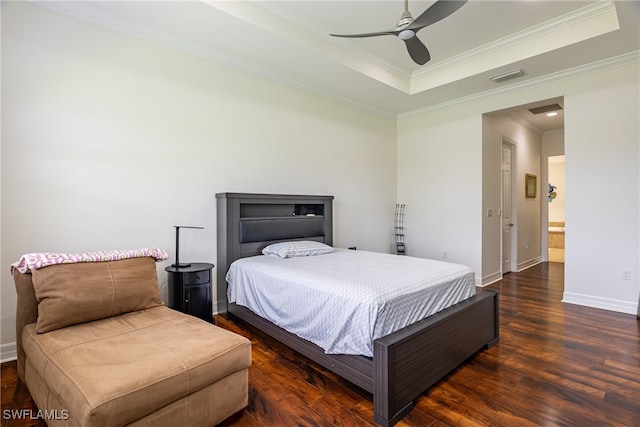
{"points": [[526, 245], [445, 254], [626, 274]]}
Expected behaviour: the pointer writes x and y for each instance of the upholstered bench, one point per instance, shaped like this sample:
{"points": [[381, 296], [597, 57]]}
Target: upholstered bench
{"points": [[96, 347]]}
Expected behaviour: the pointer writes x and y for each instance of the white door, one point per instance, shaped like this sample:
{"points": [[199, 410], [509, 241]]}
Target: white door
{"points": [[507, 223]]}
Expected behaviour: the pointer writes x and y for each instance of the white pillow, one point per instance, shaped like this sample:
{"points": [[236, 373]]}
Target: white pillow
{"points": [[297, 249]]}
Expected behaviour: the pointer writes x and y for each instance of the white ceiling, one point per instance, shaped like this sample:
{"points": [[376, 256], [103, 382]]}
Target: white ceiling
{"points": [[289, 41]]}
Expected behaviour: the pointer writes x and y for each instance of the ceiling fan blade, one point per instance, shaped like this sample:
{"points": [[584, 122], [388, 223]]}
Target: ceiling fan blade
{"points": [[439, 10], [379, 33], [417, 50]]}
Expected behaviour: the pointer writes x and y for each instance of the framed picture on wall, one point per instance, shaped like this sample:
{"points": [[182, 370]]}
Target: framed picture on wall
{"points": [[531, 185]]}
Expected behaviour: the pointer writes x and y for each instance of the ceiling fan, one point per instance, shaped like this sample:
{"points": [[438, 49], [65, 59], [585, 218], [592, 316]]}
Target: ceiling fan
{"points": [[407, 27]]}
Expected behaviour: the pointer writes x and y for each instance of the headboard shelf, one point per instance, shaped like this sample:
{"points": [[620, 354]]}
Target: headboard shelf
{"points": [[247, 222], [288, 217], [261, 210]]}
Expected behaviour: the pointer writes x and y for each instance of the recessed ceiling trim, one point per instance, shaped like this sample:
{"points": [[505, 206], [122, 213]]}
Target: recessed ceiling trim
{"points": [[285, 10], [83, 10], [584, 23], [261, 17], [605, 64]]}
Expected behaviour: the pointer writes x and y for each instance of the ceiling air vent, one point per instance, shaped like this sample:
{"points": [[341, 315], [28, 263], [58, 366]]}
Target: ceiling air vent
{"points": [[546, 108], [508, 75]]}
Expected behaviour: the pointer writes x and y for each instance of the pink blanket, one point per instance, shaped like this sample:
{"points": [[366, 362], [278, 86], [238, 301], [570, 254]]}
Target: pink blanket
{"points": [[34, 261]]}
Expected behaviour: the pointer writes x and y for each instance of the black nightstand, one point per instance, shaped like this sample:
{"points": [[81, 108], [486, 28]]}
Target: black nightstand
{"points": [[190, 290]]}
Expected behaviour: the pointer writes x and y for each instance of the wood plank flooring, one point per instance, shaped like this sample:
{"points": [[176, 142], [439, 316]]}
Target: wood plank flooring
{"points": [[555, 365]]}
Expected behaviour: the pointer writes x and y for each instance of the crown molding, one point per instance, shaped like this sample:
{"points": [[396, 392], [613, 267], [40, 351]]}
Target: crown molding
{"points": [[525, 123], [515, 39], [87, 12], [461, 66], [594, 67], [581, 24], [260, 17]]}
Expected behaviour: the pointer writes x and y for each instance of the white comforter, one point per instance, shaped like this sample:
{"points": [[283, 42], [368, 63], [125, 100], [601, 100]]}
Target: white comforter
{"points": [[344, 300]]}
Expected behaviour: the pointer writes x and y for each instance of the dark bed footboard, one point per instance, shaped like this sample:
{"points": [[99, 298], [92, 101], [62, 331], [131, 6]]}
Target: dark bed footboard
{"points": [[407, 362], [411, 360]]}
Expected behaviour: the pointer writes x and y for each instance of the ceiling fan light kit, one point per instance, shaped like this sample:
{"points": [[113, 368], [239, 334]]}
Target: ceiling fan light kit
{"points": [[407, 27], [406, 34]]}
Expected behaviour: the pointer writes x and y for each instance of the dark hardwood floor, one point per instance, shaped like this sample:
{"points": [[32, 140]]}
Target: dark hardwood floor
{"points": [[555, 365]]}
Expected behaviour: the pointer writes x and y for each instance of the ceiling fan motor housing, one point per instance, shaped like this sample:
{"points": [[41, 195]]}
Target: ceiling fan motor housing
{"points": [[405, 20]]}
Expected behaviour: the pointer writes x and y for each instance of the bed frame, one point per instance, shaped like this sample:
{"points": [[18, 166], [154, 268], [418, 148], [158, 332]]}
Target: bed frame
{"points": [[406, 362]]}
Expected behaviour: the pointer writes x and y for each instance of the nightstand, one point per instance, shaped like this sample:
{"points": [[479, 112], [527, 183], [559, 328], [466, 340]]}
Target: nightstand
{"points": [[190, 290]]}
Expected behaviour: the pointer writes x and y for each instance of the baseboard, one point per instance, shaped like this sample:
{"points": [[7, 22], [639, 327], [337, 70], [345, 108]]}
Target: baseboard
{"points": [[601, 303], [529, 263], [489, 279], [8, 352]]}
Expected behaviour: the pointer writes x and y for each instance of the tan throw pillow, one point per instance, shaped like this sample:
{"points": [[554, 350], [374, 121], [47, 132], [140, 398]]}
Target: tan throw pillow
{"points": [[81, 292]]}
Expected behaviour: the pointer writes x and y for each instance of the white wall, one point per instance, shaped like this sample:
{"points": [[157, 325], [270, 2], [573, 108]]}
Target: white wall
{"points": [[602, 136], [448, 187], [440, 178], [108, 141]]}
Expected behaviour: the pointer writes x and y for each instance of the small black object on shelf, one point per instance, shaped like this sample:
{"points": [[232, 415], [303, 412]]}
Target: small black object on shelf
{"points": [[177, 264]]}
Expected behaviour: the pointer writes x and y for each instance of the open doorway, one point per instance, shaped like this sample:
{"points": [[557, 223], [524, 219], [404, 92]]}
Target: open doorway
{"points": [[533, 132], [555, 203]]}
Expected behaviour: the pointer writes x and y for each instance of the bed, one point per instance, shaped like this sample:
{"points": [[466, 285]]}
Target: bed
{"points": [[402, 364]]}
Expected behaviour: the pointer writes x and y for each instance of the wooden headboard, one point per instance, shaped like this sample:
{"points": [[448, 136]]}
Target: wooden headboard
{"points": [[247, 222]]}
